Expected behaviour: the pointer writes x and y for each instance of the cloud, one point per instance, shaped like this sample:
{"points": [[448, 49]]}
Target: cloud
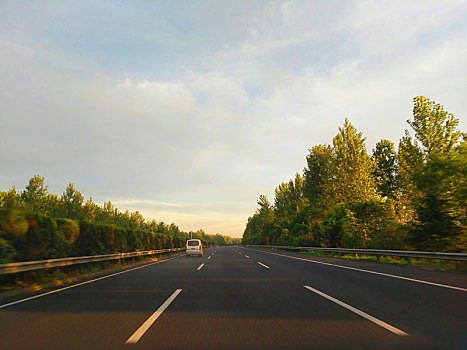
{"points": [[156, 94], [215, 90], [188, 120], [146, 138], [395, 26], [320, 103]]}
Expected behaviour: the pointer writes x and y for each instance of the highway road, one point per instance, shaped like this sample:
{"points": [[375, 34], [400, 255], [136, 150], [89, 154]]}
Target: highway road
{"points": [[242, 298]]}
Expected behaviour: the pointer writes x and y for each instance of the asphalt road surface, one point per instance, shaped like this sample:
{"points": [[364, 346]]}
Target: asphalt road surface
{"points": [[242, 298]]}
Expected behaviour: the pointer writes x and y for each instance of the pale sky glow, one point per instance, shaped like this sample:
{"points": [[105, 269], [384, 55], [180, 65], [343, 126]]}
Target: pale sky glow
{"points": [[189, 110]]}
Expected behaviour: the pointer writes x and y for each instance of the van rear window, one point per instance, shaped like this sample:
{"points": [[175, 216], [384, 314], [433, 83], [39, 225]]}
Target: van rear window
{"points": [[193, 243]]}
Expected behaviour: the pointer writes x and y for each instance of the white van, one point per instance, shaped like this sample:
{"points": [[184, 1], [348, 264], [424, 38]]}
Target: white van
{"points": [[194, 247]]}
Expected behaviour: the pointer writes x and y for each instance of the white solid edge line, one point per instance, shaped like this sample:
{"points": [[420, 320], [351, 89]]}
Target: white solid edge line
{"points": [[266, 266], [145, 326], [368, 271], [360, 313], [246, 256], [83, 283], [200, 267]]}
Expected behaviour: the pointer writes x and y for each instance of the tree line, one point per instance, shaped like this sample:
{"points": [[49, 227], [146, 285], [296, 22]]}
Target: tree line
{"points": [[411, 198], [35, 224]]}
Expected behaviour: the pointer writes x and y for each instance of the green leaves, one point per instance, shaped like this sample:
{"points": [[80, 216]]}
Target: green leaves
{"points": [[72, 203], [414, 197], [441, 208], [434, 127], [435, 180], [318, 175], [34, 194], [342, 173], [289, 199], [101, 229], [385, 173], [352, 180]]}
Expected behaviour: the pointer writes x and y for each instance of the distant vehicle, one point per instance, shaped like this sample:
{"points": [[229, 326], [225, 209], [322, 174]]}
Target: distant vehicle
{"points": [[194, 247]]}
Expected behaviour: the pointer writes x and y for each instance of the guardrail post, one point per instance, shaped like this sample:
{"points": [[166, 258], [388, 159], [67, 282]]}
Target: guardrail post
{"points": [[408, 260]]}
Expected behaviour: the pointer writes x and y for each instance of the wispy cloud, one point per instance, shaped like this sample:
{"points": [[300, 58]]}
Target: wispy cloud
{"points": [[189, 115]]}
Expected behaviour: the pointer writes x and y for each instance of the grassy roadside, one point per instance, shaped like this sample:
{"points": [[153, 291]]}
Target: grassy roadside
{"points": [[434, 264]]}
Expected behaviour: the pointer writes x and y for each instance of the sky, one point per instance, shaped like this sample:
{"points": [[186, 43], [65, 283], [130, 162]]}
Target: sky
{"points": [[189, 110]]}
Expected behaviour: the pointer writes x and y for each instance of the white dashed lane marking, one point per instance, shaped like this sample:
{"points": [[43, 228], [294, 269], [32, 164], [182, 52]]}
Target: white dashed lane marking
{"points": [[359, 312], [266, 266], [145, 326]]}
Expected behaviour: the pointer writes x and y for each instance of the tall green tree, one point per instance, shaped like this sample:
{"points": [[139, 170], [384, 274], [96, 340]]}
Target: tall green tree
{"points": [[265, 209], [385, 174], [72, 200], [441, 210], [434, 127], [318, 174], [11, 199], [162, 227], [123, 219], [174, 230], [152, 225], [417, 196], [410, 160], [136, 220], [437, 224], [289, 199], [352, 170], [54, 206], [35, 193], [91, 211], [107, 214], [255, 229]]}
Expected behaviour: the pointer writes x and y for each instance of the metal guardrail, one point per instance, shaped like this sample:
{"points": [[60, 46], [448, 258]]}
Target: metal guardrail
{"points": [[378, 252], [47, 264]]}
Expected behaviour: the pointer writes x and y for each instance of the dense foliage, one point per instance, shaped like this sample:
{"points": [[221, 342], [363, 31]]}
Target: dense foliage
{"points": [[35, 224], [412, 198]]}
